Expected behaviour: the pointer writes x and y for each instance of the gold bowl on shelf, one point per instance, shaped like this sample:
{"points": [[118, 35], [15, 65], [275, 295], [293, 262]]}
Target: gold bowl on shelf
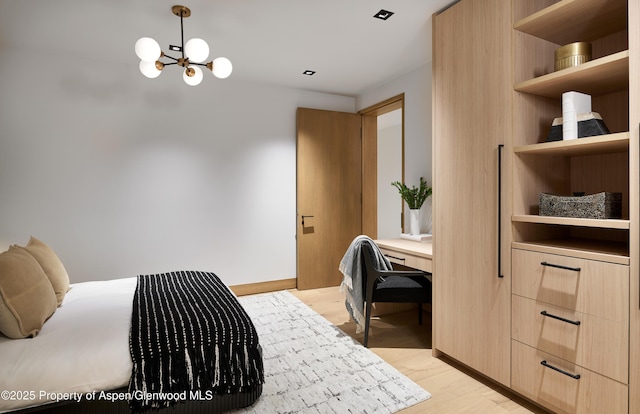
{"points": [[572, 54]]}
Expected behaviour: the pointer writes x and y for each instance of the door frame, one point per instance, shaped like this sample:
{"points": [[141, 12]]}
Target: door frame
{"points": [[370, 161]]}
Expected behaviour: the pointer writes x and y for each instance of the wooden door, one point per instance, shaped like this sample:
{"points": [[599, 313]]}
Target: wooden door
{"points": [[329, 196], [472, 90]]}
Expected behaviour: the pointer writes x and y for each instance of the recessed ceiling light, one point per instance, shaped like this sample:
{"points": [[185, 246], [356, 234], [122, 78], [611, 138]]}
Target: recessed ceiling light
{"points": [[383, 14], [309, 72]]}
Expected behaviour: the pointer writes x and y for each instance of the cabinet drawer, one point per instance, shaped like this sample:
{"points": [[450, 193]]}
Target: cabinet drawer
{"points": [[591, 393], [416, 262], [597, 288], [598, 344]]}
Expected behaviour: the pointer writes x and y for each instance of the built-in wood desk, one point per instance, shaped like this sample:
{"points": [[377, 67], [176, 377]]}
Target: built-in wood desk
{"points": [[417, 255]]}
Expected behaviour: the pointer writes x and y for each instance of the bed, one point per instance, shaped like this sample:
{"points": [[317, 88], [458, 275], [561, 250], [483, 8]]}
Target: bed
{"points": [[84, 356]]}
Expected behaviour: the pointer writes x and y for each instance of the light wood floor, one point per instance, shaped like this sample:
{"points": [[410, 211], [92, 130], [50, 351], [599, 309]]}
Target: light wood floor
{"points": [[399, 340]]}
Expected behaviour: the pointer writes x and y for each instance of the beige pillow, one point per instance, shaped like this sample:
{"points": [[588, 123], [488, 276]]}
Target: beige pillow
{"points": [[52, 266], [27, 297]]}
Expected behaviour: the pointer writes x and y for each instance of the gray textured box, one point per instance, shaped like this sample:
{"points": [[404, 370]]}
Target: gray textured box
{"points": [[595, 206]]}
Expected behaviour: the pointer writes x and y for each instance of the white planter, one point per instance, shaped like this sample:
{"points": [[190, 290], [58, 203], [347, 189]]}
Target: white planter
{"points": [[414, 221], [427, 216]]}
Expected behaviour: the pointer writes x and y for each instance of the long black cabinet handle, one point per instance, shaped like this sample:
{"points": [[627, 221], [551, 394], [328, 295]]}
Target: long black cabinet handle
{"points": [[500, 147], [575, 269], [545, 313], [568, 374]]}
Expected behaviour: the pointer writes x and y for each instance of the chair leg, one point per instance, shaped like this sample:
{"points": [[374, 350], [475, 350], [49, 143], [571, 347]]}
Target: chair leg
{"points": [[367, 318], [420, 313]]}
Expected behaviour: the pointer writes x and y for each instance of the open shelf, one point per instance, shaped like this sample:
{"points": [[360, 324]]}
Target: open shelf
{"points": [[600, 144], [576, 21], [597, 77], [569, 221]]}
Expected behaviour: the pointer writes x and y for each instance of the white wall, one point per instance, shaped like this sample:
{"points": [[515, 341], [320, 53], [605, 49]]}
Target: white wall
{"points": [[123, 175], [416, 85]]}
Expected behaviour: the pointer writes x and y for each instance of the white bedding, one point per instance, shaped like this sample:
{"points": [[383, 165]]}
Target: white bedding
{"points": [[82, 348]]}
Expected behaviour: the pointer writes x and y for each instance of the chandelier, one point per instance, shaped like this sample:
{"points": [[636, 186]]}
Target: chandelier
{"points": [[193, 54]]}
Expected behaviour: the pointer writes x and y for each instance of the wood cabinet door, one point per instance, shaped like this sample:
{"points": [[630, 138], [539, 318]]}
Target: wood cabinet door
{"points": [[472, 93]]}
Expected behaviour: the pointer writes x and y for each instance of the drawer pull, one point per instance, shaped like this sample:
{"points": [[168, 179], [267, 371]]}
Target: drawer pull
{"points": [[575, 269], [544, 313], [394, 257], [568, 374]]}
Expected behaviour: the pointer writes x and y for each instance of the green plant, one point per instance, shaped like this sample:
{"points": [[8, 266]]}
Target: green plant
{"points": [[414, 196]]}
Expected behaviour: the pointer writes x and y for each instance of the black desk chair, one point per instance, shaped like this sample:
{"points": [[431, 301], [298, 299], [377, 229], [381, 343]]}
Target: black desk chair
{"points": [[392, 286]]}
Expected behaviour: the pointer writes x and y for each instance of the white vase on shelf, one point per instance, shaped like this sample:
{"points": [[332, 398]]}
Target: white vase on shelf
{"points": [[427, 215], [414, 221]]}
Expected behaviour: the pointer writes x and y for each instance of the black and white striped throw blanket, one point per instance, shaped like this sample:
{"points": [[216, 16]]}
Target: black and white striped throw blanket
{"points": [[189, 333]]}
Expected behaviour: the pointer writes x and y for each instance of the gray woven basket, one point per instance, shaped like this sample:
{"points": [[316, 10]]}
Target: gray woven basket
{"points": [[595, 206]]}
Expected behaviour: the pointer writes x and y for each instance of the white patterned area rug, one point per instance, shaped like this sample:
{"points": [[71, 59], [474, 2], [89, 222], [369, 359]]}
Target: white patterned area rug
{"points": [[311, 366]]}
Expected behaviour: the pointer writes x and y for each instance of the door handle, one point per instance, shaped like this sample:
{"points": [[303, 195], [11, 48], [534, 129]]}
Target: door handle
{"points": [[303, 219]]}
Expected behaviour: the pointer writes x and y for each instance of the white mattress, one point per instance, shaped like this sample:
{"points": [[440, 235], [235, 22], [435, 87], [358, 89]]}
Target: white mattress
{"points": [[82, 348]]}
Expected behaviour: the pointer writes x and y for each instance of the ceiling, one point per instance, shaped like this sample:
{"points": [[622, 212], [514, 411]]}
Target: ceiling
{"points": [[270, 41]]}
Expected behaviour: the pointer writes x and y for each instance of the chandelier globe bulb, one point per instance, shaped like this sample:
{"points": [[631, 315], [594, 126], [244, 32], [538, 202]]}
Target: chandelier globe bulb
{"points": [[147, 49], [222, 67], [192, 75], [197, 50], [149, 69]]}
